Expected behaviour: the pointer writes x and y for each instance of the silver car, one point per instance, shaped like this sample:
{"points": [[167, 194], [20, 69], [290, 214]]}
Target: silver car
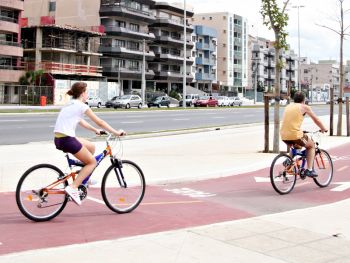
{"points": [[128, 101]]}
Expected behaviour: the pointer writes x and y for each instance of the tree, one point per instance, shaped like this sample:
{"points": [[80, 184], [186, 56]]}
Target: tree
{"points": [[277, 20], [342, 33]]}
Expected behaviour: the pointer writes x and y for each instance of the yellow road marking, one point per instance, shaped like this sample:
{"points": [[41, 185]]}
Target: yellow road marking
{"points": [[342, 168]]}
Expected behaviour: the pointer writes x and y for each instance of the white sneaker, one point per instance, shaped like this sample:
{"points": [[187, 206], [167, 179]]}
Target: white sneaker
{"points": [[74, 194]]}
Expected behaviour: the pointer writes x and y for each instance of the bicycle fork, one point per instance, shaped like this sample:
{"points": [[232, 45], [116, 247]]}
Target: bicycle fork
{"points": [[117, 167]]}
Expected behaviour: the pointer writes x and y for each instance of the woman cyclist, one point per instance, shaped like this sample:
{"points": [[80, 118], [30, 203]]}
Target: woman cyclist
{"points": [[65, 139]]}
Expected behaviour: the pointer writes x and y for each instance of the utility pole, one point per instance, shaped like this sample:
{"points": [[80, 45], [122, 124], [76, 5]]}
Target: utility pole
{"points": [[184, 65], [299, 80], [143, 78]]}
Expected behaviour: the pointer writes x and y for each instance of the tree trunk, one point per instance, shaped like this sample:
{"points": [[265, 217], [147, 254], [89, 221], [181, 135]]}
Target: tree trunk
{"points": [[276, 134], [341, 85]]}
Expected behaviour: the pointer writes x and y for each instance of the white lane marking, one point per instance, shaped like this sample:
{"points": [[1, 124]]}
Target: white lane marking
{"points": [[0, 243], [13, 120], [342, 186], [248, 115], [342, 168], [131, 122], [95, 200], [261, 179], [189, 192], [218, 117], [181, 119]]}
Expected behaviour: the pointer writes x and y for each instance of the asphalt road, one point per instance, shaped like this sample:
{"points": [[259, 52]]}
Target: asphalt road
{"points": [[36, 127]]}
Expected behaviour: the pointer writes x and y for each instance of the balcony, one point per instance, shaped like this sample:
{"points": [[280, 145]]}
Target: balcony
{"points": [[172, 23], [205, 46], [126, 72], [127, 12], [11, 49], [122, 31], [169, 40], [173, 76], [123, 52], [13, 4], [205, 61], [205, 76], [70, 69], [9, 25]]}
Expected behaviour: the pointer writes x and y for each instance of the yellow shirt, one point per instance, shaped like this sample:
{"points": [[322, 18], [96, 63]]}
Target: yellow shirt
{"points": [[291, 122]]}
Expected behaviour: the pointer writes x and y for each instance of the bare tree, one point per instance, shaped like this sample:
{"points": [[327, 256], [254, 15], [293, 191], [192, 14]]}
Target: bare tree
{"points": [[342, 33], [277, 20]]}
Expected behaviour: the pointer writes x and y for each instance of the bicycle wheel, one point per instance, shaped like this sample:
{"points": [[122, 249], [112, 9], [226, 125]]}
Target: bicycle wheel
{"points": [[122, 194], [283, 174], [323, 166], [33, 201]]}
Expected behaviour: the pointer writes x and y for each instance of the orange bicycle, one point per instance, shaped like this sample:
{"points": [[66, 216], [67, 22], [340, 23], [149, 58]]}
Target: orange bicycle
{"points": [[40, 194]]}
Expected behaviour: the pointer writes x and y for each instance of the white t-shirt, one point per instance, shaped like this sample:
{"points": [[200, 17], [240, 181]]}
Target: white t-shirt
{"points": [[69, 116]]}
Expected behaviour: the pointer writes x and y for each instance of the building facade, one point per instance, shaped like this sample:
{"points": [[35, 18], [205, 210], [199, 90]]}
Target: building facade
{"points": [[318, 78], [125, 47], [168, 47], [262, 73], [11, 51], [232, 48], [206, 50]]}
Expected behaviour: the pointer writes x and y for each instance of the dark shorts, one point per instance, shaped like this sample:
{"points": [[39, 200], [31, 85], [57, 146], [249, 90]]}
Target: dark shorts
{"points": [[68, 144], [300, 142]]}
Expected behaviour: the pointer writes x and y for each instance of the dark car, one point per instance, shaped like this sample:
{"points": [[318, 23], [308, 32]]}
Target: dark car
{"points": [[111, 103], [159, 101]]}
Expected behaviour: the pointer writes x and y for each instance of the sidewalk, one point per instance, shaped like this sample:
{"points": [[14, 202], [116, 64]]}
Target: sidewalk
{"points": [[317, 234]]}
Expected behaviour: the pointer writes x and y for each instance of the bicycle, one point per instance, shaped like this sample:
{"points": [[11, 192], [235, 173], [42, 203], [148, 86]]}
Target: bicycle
{"points": [[40, 194], [286, 168]]}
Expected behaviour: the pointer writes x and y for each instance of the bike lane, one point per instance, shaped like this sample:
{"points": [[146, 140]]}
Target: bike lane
{"points": [[169, 207]]}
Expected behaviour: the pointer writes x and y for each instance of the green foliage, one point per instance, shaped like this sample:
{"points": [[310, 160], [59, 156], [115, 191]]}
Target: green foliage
{"points": [[31, 77], [277, 20], [174, 95]]}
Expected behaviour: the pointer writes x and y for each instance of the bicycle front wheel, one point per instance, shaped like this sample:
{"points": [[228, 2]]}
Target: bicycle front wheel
{"points": [[323, 166], [283, 174], [33, 200], [123, 188]]}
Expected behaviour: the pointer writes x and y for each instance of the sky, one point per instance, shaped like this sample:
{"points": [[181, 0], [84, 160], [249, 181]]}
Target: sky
{"points": [[316, 42]]}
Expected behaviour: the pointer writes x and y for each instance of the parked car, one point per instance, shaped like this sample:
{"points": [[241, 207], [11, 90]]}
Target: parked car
{"points": [[190, 100], [235, 101], [128, 101], [206, 101], [94, 102], [223, 101], [111, 103], [159, 101]]}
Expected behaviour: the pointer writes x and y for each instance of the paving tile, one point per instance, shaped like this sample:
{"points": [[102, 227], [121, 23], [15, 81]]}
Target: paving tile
{"points": [[260, 226], [260, 243], [224, 232], [337, 245], [296, 235], [302, 254]]}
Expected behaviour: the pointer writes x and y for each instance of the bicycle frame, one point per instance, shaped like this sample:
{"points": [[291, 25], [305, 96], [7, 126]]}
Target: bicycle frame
{"points": [[50, 189]]}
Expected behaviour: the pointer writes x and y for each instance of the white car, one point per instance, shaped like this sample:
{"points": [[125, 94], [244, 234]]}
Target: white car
{"points": [[223, 101], [94, 102], [235, 101], [128, 101]]}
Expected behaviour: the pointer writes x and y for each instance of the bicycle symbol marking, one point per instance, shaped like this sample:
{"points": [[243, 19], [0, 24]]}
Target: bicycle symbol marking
{"points": [[189, 192]]}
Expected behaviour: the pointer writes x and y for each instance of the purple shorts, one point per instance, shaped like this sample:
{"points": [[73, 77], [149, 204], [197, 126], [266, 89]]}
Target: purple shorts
{"points": [[68, 144]]}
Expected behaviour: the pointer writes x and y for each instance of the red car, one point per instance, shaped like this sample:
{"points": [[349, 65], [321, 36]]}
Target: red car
{"points": [[206, 101]]}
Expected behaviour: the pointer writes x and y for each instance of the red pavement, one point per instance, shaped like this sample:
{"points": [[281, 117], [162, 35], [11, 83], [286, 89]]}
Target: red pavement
{"points": [[166, 207]]}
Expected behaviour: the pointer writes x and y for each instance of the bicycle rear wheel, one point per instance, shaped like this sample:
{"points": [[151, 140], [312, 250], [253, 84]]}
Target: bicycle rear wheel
{"points": [[283, 174], [323, 166], [123, 193], [33, 201]]}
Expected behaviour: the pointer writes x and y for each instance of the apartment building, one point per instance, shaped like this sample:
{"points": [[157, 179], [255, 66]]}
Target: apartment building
{"points": [[318, 78], [262, 73], [232, 48], [168, 46], [206, 50], [126, 45], [11, 51]]}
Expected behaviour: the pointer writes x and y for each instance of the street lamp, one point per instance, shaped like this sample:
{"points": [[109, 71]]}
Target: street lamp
{"points": [[184, 65], [298, 7]]}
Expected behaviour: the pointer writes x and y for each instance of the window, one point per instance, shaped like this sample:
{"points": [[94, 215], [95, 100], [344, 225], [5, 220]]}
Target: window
{"points": [[134, 65], [210, 18], [120, 23], [135, 27], [52, 6]]}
